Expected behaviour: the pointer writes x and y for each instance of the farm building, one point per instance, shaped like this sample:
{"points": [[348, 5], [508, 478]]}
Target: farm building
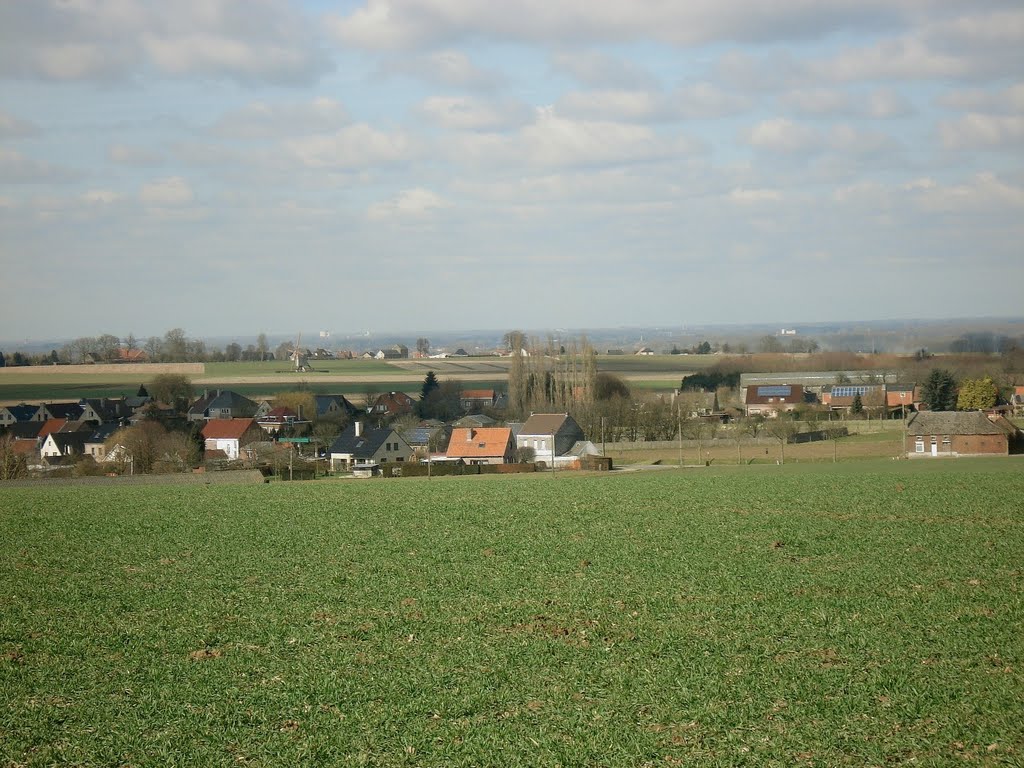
{"points": [[959, 433], [772, 399]]}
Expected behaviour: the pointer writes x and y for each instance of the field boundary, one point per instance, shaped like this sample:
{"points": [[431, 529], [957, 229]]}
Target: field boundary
{"points": [[226, 477], [103, 369]]}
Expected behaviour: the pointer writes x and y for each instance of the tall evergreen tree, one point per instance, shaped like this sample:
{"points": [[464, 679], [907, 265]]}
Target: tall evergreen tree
{"points": [[939, 390]]}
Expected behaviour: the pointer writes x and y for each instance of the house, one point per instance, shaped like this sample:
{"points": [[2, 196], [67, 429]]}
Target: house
{"points": [[390, 405], [279, 417], [96, 441], [541, 429], [1017, 400], [63, 445], [475, 420], [487, 445], [373, 446], [773, 399], [645, 351], [230, 435], [222, 404], [958, 433], [131, 356], [391, 353], [902, 398], [428, 437], [102, 409], [700, 404], [477, 399], [328, 406], [841, 397], [17, 414], [67, 411]]}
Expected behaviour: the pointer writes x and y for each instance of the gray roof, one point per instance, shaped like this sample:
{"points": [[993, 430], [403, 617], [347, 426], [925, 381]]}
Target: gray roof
{"points": [[365, 445], [952, 423]]}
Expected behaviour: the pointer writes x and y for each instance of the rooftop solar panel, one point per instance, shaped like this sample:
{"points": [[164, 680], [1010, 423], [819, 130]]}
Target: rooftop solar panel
{"points": [[775, 391]]}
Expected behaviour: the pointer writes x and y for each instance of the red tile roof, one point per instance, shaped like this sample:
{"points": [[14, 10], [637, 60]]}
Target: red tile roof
{"points": [[51, 425], [479, 442], [226, 429]]}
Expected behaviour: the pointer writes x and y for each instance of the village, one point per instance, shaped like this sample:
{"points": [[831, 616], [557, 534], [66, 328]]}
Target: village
{"points": [[301, 434]]}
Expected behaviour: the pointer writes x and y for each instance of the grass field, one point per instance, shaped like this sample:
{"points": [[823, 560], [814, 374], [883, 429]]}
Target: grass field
{"points": [[805, 615]]}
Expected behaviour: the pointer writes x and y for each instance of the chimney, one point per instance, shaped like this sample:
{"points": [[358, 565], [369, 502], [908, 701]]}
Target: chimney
{"points": [[359, 428]]}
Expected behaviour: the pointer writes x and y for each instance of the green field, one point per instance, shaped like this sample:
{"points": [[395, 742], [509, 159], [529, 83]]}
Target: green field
{"points": [[761, 616]]}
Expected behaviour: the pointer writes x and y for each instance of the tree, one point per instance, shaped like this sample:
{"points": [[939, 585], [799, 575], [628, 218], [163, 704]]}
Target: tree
{"points": [[939, 390], [175, 345], [608, 385], [3, 362], [175, 389], [154, 348], [857, 406], [977, 394], [13, 464], [770, 344], [423, 346], [130, 342], [262, 346], [302, 401], [233, 352], [782, 429], [430, 385], [525, 455]]}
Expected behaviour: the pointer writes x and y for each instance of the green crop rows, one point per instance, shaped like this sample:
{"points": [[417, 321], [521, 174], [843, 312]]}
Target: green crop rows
{"points": [[760, 616]]}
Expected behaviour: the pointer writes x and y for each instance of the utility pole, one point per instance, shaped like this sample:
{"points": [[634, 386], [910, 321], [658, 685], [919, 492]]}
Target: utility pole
{"points": [[679, 425]]}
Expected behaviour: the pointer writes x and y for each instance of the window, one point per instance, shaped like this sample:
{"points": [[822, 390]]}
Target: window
{"points": [[919, 445]]}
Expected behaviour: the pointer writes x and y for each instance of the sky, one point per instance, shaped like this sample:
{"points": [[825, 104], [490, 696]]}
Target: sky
{"points": [[246, 166]]}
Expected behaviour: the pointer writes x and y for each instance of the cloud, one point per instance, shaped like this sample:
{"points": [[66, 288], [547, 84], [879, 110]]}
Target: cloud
{"points": [[260, 120], [100, 197], [17, 168], [748, 196], [983, 192], [448, 68], [466, 114], [603, 71], [411, 24], [783, 135], [249, 40], [354, 147], [978, 131], [689, 102], [553, 141], [122, 154], [12, 127], [414, 203], [1007, 100], [167, 192]]}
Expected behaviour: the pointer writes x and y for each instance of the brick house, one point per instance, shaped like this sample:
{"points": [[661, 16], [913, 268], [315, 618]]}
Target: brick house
{"points": [[958, 433]]}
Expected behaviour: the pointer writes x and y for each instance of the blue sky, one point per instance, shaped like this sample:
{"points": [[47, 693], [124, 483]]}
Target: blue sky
{"points": [[237, 166]]}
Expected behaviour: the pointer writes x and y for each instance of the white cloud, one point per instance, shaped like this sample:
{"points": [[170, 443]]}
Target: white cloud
{"points": [[354, 147], [261, 120], [404, 24], [414, 203], [1009, 100], [984, 191], [12, 127], [123, 154], [18, 168], [167, 192], [783, 135], [100, 197], [603, 71], [748, 196], [467, 114], [253, 40], [977, 131]]}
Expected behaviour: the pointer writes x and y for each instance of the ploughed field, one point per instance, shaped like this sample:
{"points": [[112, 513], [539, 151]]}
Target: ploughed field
{"points": [[796, 615]]}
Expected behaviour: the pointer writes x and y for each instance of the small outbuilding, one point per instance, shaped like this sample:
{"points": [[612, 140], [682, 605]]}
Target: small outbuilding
{"points": [[959, 433]]}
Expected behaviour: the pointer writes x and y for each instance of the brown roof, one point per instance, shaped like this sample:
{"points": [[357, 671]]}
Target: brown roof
{"points": [[478, 394], [771, 394], [226, 429], [51, 425], [479, 442], [952, 423], [543, 424]]}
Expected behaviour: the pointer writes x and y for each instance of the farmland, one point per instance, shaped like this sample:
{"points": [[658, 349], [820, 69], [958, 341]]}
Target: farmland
{"points": [[349, 377], [760, 615]]}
